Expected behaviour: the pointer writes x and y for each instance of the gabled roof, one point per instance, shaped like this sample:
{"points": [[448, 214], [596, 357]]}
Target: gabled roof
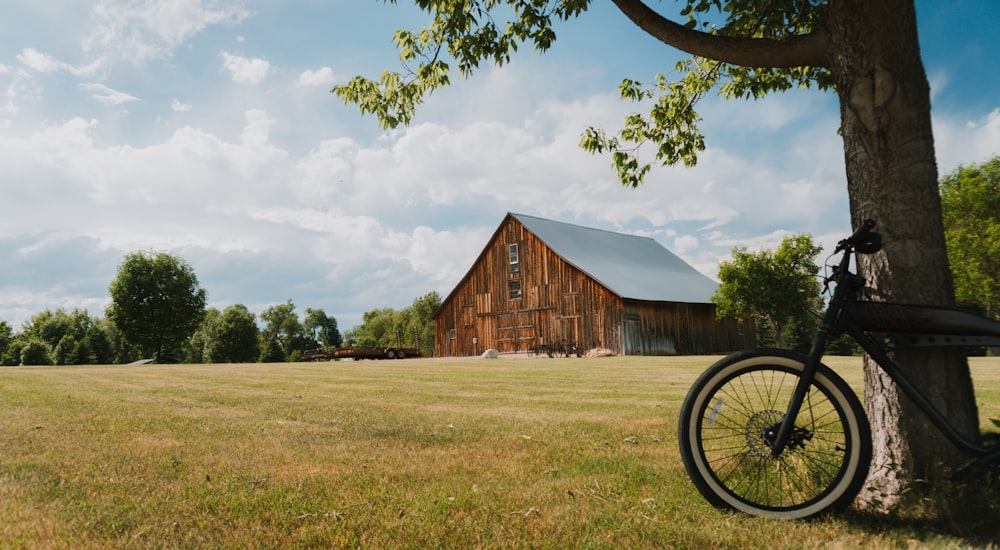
{"points": [[636, 268]]}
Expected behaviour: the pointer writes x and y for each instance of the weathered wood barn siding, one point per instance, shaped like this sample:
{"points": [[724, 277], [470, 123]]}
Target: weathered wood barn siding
{"points": [[559, 302], [672, 328], [555, 297]]}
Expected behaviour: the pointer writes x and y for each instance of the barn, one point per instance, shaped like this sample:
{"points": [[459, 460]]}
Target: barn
{"points": [[541, 282]]}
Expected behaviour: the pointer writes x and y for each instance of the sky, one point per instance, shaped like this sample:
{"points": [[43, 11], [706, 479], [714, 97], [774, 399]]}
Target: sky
{"points": [[206, 129]]}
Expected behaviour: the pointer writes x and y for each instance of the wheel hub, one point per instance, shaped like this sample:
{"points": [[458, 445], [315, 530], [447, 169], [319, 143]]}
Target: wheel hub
{"points": [[762, 429]]}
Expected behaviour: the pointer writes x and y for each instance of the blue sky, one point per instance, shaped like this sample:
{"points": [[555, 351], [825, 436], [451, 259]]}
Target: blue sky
{"points": [[205, 128]]}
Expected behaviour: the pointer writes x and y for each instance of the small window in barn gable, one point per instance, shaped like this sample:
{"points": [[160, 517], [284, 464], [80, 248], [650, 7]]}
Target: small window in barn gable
{"points": [[515, 264], [451, 334], [515, 290]]}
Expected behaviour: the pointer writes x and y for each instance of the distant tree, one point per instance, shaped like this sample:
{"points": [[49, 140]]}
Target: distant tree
{"points": [[49, 326], [156, 301], [271, 351], [376, 328], [389, 327], [422, 322], [281, 324], [68, 334], [121, 351], [778, 288], [12, 357], [233, 337], [67, 351], [800, 330], [96, 347], [196, 347], [167, 355], [970, 201], [322, 327], [36, 352], [6, 337]]}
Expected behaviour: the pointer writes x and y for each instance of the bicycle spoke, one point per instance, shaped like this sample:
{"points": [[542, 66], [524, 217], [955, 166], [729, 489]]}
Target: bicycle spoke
{"points": [[733, 440]]}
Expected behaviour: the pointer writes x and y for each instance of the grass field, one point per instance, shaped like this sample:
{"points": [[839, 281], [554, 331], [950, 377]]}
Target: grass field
{"points": [[419, 453]]}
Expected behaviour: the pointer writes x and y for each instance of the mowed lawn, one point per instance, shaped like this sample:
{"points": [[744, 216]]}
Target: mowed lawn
{"points": [[415, 453]]}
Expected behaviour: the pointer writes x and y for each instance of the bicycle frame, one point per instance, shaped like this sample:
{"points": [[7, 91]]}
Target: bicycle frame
{"points": [[866, 321], [882, 327]]}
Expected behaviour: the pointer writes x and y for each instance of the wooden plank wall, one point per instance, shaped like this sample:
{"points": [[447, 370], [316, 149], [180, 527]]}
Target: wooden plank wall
{"points": [[658, 328]]}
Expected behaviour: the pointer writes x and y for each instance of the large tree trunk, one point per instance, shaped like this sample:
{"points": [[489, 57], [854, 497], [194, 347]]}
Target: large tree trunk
{"points": [[892, 178]]}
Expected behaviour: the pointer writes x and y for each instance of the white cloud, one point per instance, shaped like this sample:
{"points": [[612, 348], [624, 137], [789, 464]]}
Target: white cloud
{"points": [[245, 70], [320, 77], [106, 95], [140, 30], [19, 85], [179, 106], [39, 61], [45, 63], [964, 142]]}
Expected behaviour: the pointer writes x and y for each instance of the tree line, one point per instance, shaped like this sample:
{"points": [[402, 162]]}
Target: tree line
{"points": [[388, 327], [158, 309], [158, 312]]}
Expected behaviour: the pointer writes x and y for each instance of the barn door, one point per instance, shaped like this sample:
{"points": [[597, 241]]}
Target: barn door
{"points": [[515, 332], [633, 336], [567, 328]]}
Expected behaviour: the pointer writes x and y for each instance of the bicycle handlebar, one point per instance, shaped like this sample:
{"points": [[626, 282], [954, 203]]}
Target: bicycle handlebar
{"points": [[864, 239], [862, 231]]}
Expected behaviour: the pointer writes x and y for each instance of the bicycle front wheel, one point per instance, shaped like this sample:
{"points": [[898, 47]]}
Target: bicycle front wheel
{"points": [[737, 401]]}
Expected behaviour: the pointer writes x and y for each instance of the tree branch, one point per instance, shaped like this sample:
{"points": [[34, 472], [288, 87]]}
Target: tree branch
{"points": [[808, 50]]}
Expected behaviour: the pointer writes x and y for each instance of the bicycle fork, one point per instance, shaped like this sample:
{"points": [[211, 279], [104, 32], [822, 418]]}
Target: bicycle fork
{"points": [[777, 436]]}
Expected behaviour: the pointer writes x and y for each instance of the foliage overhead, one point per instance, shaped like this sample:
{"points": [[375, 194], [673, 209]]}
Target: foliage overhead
{"points": [[768, 46], [970, 200]]}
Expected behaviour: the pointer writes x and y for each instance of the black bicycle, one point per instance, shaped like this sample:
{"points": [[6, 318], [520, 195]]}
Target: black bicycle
{"points": [[779, 434]]}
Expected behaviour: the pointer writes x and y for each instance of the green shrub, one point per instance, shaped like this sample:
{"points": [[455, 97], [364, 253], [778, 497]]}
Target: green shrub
{"points": [[36, 352]]}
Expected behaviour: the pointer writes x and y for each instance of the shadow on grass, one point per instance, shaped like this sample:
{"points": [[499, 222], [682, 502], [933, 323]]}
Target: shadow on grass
{"points": [[969, 511]]}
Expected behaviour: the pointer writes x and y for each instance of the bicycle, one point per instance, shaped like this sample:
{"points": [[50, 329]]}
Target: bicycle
{"points": [[779, 434]]}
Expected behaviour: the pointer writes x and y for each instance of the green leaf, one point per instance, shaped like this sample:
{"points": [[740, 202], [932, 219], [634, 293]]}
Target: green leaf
{"points": [[465, 33]]}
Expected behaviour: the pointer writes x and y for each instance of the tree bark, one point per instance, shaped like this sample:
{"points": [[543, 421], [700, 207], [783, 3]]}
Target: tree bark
{"points": [[795, 51], [892, 178]]}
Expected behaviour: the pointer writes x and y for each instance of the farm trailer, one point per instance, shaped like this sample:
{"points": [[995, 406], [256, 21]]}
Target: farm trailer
{"points": [[360, 353]]}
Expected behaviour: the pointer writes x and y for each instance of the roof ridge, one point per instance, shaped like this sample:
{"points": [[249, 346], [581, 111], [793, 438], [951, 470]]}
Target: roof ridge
{"points": [[584, 227], [629, 265]]}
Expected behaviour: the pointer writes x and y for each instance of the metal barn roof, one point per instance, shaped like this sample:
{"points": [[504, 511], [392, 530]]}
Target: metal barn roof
{"points": [[636, 268]]}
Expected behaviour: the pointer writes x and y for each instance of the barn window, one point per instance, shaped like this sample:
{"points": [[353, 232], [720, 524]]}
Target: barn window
{"points": [[451, 334], [515, 265], [515, 290]]}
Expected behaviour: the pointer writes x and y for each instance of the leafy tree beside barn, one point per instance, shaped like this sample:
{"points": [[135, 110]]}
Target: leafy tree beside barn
{"points": [[778, 288]]}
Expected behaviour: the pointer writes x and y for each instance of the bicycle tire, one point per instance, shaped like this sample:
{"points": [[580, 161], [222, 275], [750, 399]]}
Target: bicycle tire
{"points": [[721, 427]]}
